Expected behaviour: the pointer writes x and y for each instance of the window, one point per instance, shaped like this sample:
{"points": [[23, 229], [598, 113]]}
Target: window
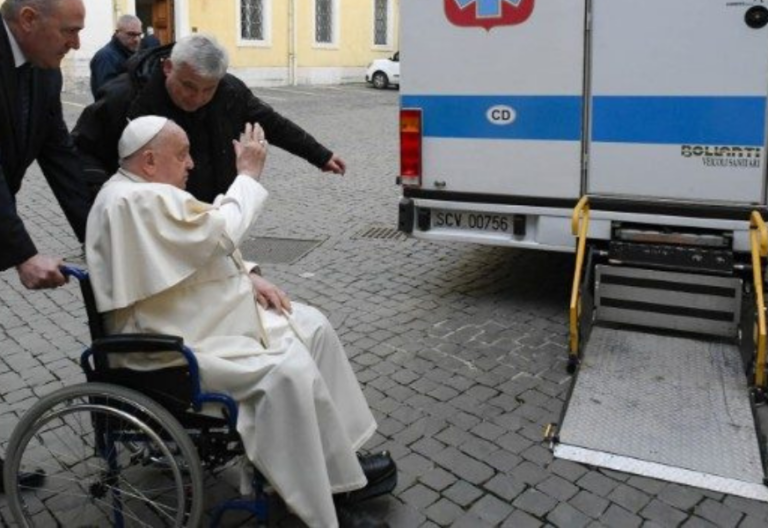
{"points": [[324, 21], [252, 20], [381, 23]]}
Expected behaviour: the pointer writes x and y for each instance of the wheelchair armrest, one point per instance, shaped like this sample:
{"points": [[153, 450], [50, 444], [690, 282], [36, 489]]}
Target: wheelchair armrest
{"points": [[128, 343], [135, 343]]}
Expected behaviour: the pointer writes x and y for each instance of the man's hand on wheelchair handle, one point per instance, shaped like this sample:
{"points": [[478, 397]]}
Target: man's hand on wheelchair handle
{"points": [[41, 271], [268, 295]]}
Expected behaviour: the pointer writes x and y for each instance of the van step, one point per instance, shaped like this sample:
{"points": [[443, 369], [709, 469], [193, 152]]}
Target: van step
{"points": [[683, 302], [681, 258]]}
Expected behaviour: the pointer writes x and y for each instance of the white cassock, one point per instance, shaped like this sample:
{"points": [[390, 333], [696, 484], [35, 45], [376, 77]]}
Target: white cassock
{"points": [[163, 262]]}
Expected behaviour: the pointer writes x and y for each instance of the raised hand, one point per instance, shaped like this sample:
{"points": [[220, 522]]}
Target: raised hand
{"points": [[251, 151]]}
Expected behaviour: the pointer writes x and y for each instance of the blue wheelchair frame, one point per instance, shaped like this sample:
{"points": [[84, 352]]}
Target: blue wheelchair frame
{"points": [[95, 364]]}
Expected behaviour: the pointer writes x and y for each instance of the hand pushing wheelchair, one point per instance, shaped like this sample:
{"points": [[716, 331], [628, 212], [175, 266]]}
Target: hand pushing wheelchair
{"points": [[127, 448]]}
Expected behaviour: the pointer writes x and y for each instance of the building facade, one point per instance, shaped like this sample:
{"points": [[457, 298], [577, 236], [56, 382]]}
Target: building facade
{"points": [[270, 42]]}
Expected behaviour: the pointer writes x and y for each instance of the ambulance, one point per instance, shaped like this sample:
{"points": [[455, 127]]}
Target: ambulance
{"points": [[632, 133]]}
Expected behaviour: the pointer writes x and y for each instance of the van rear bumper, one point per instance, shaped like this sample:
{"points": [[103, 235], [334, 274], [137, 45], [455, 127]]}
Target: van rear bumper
{"points": [[546, 227]]}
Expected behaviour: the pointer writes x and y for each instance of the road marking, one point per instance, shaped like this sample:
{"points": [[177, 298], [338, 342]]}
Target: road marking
{"points": [[71, 103]]}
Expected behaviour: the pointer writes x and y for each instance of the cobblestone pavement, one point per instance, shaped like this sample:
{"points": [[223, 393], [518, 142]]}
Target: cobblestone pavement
{"points": [[461, 349]]}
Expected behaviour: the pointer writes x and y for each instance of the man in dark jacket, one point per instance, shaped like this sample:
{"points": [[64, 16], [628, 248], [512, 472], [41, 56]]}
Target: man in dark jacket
{"points": [[109, 61], [150, 40], [39, 33], [32, 128], [187, 82]]}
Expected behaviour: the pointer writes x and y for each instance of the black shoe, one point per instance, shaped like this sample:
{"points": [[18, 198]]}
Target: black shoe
{"points": [[377, 466], [349, 518], [381, 472]]}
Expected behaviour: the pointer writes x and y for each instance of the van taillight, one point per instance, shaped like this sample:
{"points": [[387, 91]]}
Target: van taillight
{"points": [[410, 147]]}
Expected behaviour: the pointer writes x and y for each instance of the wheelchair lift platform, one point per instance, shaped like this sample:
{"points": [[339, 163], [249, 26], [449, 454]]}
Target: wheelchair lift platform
{"points": [[668, 407]]}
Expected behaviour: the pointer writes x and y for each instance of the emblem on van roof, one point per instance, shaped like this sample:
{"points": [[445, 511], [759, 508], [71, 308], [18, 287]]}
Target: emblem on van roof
{"points": [[488, 13]]}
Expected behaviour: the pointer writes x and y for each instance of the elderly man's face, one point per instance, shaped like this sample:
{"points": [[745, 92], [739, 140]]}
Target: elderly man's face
{"points": [[171, 157], [129, 34], [45, 40], [188, 90]]}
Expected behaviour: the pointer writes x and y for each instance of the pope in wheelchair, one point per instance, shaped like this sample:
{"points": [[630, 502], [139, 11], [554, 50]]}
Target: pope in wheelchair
{"points": [[163, 262]]}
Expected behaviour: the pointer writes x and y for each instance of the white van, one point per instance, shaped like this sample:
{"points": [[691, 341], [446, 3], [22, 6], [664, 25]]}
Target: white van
{"points": [[514, 110]]}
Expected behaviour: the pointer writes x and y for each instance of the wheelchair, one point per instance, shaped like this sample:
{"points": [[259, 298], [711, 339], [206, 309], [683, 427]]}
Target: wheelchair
{"points": [[126, 448]]}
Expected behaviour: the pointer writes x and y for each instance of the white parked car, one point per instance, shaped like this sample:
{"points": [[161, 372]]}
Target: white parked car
{"points": [[383, 72]]}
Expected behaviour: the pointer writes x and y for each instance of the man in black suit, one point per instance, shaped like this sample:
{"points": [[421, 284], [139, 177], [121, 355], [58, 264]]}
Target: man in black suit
{"points": [[34, 37]]}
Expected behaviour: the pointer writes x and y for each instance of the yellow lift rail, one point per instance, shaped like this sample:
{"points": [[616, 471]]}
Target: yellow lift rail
{"points": [[580, 228], [759, 244]]}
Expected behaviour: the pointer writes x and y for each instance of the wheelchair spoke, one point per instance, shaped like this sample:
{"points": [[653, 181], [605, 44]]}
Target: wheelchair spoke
{"points": [[108, 462]]}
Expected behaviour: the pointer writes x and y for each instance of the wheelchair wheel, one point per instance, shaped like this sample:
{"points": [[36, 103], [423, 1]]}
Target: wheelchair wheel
{"points": [[112, 457]]}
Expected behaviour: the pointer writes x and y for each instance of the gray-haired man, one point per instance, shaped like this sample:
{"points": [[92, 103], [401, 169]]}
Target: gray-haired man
{"points": [[187, 82]]}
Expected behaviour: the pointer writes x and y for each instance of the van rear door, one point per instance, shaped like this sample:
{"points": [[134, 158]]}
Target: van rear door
{"points": [[678, 100], [502, 103]]}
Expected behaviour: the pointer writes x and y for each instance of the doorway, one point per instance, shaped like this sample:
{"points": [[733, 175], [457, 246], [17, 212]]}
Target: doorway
{"points": [[159, 15]]}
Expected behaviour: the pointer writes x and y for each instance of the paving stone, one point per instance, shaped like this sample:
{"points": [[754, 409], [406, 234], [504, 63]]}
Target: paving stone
{"points": [[463, 420], [444, 512], [529, 473], [491, 509], [535, 502], [566, 516], [617, 517], [502, 460], [415, 464], [752, 522], [453, 436], [697, 522], [463, 493], [427, 447], [505, 487], [463, 466], [662, 513], [629, 498], [478, 448], [520, 519], [488, 431], [682, 498], [538, 454], [514, 442], [470, 520], [597, 483], [589, 503], [419, 496], [558, 487], [568, 470], [650, 486], [748, 506], [438, 479], [718, 513]]}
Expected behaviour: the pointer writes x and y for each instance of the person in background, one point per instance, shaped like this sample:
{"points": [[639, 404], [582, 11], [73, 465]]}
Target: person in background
{"points": [[109, 61], [150, 40], [35, 35]]}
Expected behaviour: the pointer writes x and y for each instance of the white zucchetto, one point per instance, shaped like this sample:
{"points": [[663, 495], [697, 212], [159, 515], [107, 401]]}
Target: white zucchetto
{"points": [[138, 133]]}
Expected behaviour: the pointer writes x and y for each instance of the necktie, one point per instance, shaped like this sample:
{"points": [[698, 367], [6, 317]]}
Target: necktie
{"points": [[24, 86]]}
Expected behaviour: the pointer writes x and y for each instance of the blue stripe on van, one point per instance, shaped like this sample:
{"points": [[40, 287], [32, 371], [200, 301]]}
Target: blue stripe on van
{"points": [[616, 119], [554, 118], [679, 120]]}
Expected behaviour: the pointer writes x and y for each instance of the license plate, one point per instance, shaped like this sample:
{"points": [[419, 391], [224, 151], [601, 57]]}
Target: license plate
{"points": [[496, 223]]}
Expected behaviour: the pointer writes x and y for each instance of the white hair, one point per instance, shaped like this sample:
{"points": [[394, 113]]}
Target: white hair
{"points": [[203, 54]]}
